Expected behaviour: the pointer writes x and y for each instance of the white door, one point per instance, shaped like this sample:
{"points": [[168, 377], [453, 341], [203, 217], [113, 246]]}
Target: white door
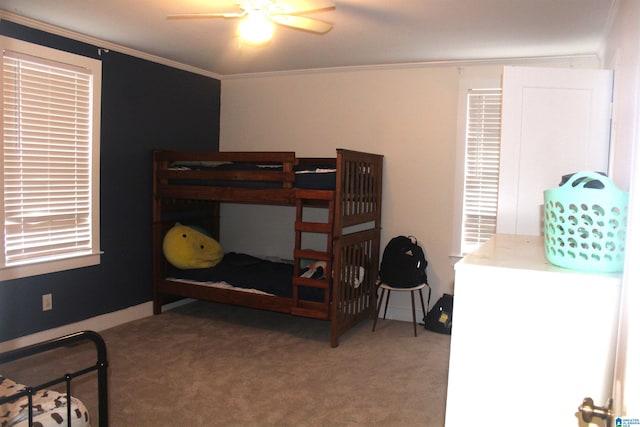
{"points": [[626, 383], [555, 121]]}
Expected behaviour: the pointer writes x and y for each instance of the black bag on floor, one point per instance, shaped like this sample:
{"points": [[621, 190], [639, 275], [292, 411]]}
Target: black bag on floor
{"points": [[440, 316]]}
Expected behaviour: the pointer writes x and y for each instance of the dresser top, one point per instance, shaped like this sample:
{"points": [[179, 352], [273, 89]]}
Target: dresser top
{"points": [[516, 251]]}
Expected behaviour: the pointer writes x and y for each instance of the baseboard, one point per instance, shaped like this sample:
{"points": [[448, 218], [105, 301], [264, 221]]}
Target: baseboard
{"points": [[97, 323]]}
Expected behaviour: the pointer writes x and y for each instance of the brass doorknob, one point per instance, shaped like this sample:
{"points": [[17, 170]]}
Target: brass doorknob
{"points": [[588, 410]]}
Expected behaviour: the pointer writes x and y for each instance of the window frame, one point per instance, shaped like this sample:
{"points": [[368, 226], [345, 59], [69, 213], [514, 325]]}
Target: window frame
{"points": [[483, 211], [465, 85], [74, 260]]}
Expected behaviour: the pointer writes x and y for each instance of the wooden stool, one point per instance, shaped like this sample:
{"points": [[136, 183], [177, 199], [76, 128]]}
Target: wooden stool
{"points": [[389, 288]]}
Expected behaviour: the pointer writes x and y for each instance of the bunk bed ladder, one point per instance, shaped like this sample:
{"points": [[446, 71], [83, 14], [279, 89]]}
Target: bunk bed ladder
{"points": [[301, 305]]}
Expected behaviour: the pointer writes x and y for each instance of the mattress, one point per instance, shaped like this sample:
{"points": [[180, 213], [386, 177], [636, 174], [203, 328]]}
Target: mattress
{"points": [[246, 273], [313, 177], [49, 408], [237, 270]]}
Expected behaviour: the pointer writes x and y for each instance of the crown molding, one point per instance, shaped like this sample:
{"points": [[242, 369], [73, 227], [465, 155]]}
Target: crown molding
{"points": [[101, 44], [422, 64]]}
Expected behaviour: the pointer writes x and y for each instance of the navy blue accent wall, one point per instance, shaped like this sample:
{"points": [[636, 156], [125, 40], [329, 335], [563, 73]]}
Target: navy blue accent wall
{"points": [[145, 105]]}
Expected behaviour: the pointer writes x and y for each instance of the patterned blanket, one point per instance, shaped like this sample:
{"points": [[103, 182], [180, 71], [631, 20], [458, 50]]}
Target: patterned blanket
{"points": [[49, 408]]}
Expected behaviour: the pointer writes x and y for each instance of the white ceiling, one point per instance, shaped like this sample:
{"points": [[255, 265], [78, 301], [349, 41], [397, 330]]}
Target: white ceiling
{"points": [[365, 32]]}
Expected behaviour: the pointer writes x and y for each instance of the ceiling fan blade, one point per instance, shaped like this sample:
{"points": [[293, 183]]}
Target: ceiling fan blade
{"points": [[300, 7], [206, 15], [302, 23]]}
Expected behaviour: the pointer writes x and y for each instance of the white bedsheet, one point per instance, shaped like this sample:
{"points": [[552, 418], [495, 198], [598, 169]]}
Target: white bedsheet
{"points": [[221, 285]]}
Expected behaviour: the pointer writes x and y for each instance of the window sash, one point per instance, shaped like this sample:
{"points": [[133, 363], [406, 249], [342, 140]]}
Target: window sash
{"points": [[47, 159], [481, 170]]}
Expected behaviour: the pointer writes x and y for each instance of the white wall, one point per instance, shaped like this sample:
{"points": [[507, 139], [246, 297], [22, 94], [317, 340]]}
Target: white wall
{"points": [[409, 114]]}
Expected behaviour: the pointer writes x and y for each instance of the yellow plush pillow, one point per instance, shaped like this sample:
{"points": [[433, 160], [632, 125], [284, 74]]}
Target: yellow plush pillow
{"points": [[185, 248]]}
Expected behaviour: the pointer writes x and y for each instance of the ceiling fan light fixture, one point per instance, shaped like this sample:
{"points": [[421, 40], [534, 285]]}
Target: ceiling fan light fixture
{"points": [[259, 17], [256, 28]]}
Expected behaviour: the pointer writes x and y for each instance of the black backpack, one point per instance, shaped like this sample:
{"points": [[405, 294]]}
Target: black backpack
{"points": [[403, 263], [440, 318]]}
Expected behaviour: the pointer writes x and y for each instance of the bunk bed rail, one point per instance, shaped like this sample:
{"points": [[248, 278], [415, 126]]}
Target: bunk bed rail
{"points": [[358, 189], [207, 182], [354, 297]]}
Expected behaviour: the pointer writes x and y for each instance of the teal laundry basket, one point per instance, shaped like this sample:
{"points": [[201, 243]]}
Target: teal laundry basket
{"points": [[585, 224]]}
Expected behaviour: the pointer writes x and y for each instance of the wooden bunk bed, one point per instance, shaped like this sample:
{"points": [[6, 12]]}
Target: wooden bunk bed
{"points": [[188, 187]]}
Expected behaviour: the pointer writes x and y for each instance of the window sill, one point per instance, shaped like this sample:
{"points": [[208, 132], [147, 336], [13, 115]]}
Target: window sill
{"points": [[453, 259], [45, 267]]}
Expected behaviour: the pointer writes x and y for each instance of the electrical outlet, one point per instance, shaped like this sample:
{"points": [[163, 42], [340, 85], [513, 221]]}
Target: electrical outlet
{"points": [[47, 302]]}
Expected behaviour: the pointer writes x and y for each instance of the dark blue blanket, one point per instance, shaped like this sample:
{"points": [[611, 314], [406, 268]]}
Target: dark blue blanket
{"points": [[246, 271]]}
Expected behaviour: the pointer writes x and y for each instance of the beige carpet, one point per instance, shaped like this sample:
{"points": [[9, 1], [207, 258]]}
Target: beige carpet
{"points": [[206, 364]]}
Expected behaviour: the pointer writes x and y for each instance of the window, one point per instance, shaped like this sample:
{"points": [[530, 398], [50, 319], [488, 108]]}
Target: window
{"points": [[50, 152], [481, 167]]}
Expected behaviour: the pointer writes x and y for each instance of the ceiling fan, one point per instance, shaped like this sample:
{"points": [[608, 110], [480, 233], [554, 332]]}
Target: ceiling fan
{"points": [[255, 13]]}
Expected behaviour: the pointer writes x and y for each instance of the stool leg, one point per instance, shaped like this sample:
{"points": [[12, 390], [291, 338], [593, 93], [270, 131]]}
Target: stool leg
{"points": [[378, 311], [413, 312], [386, 304], [424, 313]]}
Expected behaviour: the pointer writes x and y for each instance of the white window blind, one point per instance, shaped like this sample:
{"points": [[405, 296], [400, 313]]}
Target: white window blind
{"points": [[482, 163], [48, 160]]}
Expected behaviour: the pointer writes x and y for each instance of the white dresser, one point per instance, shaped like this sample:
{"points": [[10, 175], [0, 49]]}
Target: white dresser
{"points": [[529, 340]]}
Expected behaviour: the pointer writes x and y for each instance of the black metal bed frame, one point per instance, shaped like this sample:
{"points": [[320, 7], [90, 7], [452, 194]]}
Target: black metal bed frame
{"points": [[67, 340]]}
